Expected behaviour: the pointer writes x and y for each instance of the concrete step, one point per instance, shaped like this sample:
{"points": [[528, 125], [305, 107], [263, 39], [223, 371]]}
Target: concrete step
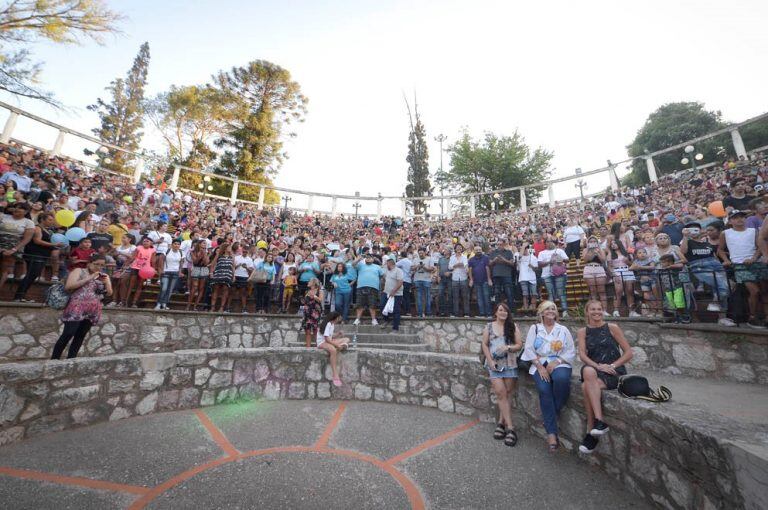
{"points": [[384, 337], [365, 329], [367, 345]]}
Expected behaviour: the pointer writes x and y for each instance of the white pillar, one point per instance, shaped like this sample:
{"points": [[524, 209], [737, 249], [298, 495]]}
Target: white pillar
{"points": [[651, 169], [10, 125], [523, 203], [378, 207], [334, 202], [261, 197], [310, 205], [403, 208], [738, 143], [235, 188], [448, 211], [175, 178], [58, 144], [551, 193], [444, 206], [138, 170], [472, 211]]}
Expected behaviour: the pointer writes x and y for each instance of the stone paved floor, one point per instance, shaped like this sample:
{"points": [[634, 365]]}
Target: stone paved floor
{"points": [[297, 454]]}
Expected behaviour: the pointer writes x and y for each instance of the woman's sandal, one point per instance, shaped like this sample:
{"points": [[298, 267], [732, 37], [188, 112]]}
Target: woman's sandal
{"points": [[499, 432], [510, 439]]}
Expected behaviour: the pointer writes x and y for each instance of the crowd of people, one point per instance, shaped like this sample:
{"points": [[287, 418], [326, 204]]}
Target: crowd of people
{"points": [[661, 249]]}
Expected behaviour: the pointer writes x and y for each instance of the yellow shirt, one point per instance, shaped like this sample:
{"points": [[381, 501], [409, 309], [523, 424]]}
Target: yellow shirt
{"points": [[117, 232]]}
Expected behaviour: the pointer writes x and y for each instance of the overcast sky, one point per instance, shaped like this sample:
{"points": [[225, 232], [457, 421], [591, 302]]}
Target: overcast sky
{"points": [[577, 78]]}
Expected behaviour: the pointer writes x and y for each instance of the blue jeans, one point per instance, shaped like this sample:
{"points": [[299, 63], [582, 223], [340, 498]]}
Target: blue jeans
{"points": [[395, 315], [556, 289], [710, 272], [422, 296], [553, 396], [343, 300], [483, 298], [504, 286], [167, 284]]}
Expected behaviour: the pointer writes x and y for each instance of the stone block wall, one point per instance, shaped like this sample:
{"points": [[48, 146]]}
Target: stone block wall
{"points": [[670, 454], [30, 332]]}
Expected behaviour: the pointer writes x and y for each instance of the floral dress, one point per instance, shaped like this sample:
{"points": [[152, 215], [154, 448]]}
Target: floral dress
{"points": [[312, 313], [85, 302], [224, 272]]}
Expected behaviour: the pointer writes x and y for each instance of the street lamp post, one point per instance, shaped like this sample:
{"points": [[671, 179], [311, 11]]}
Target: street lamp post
{"points": [[440, 139], [286, 199], [357, 205], [205, 186], [689, 157], [581, 184]]}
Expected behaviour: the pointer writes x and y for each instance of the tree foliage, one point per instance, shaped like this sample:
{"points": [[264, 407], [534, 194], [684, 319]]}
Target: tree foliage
{"points": [[495, 162], [419, 184], [669, 125], [24, 22], [262, 100], [122, 118]]}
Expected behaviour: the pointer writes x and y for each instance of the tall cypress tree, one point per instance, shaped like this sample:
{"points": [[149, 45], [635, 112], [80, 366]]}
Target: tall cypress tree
{"points": [[419, 184], [123, 117]]}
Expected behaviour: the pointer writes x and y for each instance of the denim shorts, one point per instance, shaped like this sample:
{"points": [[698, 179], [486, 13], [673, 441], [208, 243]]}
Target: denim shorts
{"points": [[507, 373]]}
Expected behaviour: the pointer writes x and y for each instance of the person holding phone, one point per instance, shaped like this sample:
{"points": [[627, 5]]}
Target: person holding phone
{"points": [[88, 287], [501, 340]]}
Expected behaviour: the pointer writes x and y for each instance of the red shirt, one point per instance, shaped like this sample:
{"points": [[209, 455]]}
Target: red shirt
{"points": [[537, 247], [653, 223], [81, 257]]}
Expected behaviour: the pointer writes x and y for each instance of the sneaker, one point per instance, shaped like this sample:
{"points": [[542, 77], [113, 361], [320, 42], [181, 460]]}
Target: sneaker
{"points": [[565, 315], [606, 314], [374, 322], [158, 307], [714, 307], [634, 314], [725, 321], [616, 313], [337, 382], [589, 444], [54, 279], [756, 324], [357, 322], [685, 319], [111, 305], [599, 428]]}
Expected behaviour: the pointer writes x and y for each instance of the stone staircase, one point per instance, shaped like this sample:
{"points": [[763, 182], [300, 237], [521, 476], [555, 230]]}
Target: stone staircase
{"points": [[378, 337]]}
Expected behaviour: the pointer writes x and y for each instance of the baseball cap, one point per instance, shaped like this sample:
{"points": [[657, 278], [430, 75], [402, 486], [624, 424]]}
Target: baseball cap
{"points": [[670, 217], [736, 212]]}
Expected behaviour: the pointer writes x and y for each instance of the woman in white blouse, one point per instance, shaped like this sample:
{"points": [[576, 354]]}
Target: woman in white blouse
{"points": [[550, 349]]}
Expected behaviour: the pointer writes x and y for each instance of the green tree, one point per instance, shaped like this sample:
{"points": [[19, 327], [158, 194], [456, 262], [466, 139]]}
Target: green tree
{"points": [[669, 125], [24, 22], [261, 99], [418, 162], [123, 117], [495, 162], [755, 134]]}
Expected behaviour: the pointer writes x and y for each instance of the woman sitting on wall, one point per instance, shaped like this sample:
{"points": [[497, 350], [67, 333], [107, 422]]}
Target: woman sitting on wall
{"points": [[330, 340], [550, 349], [501, 340], [604, 351]]}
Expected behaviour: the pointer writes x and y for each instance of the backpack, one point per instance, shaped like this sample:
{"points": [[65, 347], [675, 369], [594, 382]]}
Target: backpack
{"points": [[56, 296], [636, 386]]}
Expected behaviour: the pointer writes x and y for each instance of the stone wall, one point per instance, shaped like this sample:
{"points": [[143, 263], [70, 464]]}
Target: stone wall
{"points": [[29, 332], [671, 454]]}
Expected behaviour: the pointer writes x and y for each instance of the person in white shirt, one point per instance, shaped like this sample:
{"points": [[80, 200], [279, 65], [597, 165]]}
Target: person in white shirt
{"points": [[459, 280], [332, 342], [405, 264], [574, 235], [526, 277], [169, 274], [162, 240], [553, 262], [550, 348], [244, 265]]}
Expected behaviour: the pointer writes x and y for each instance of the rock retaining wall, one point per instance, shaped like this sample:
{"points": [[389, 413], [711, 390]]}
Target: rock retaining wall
{"points": [[671, 454], [29, 332]]}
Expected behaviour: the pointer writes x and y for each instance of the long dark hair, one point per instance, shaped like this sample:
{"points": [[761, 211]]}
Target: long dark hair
{"points": [[332, 316], [509, 324], [621, 248]]}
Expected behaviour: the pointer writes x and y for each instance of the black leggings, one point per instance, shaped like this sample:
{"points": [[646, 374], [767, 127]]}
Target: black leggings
{"points": [[35, 267], [75, 331]]}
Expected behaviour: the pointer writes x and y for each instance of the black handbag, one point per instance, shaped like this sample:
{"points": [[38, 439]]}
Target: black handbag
{"points": [[636, 386]]}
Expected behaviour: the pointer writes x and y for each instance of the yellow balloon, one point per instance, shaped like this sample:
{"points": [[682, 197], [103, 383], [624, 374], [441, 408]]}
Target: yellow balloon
{"points": [[65, 218], [185, 236], [262, 244], [128, 199]]}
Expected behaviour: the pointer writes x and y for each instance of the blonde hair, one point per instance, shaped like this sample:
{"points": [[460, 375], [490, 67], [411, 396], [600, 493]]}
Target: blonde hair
{"points": [[544, 305], [589, 303]]}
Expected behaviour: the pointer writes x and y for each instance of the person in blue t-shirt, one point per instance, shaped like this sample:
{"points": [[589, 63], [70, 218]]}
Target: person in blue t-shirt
{"points": [[368, 284], [342, 290]]}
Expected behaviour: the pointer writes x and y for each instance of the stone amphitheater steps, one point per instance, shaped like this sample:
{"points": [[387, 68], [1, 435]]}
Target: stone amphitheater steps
{"points": [[390, 346]]}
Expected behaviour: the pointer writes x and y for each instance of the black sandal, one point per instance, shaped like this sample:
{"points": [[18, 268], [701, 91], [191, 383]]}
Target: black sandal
{"points": [[499, 432], [510, 439]]}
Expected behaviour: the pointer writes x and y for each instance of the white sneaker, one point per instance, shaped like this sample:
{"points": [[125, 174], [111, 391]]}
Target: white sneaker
{"points": [[616, 313], [112, 305], [54, 279], [634, 314], [357, 322], [714, 307], [374, 322], [726, 322], [158, 307], [606, 314], [565, 315]]}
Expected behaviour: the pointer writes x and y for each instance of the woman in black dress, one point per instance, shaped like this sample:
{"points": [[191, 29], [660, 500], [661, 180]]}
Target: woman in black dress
{"points": [[604, 351]]}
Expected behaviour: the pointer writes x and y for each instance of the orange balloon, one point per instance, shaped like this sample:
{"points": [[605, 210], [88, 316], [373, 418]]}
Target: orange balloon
{"points": [[716, 209]]}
